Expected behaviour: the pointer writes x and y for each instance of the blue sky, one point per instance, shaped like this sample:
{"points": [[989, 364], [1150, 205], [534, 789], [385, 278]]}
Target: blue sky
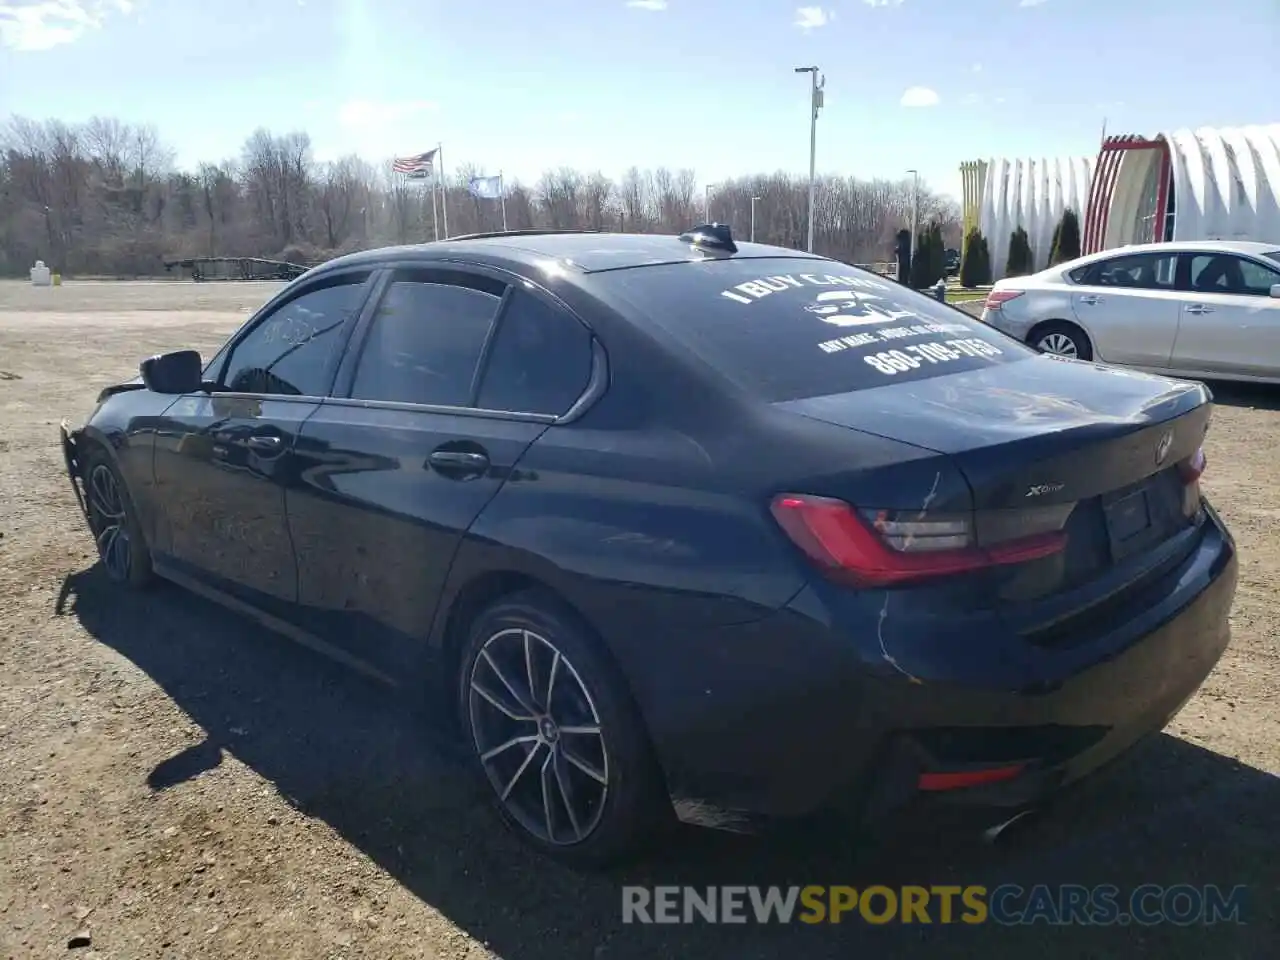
{"points": [[524, 85]]}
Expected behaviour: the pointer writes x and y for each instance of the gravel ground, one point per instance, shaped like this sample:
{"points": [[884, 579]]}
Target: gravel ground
{"points": [[175, 782]]}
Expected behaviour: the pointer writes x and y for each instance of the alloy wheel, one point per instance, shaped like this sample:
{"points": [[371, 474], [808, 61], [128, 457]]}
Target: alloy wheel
{"points": [[537, 733], [1059, 344], [107, 516]]}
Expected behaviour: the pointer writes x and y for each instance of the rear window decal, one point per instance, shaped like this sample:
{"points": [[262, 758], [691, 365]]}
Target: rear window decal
{"points": [[885, 334], [761, 287], [764, 325]]}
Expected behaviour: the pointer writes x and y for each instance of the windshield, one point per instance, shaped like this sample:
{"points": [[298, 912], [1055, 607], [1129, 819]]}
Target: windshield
{"points": [[786, 329]]}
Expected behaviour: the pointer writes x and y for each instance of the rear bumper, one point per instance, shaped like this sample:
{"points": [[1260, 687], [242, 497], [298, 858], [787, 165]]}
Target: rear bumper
{"points": [[1007, 323], [831, 705]]}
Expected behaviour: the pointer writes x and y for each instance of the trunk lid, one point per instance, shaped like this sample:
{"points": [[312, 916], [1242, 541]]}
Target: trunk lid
{"points": [[1047, 431], [1099, 445]]}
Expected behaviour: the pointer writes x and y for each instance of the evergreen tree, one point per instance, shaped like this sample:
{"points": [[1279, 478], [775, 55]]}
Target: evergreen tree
{"points": [[1019, 262], [1053, 245], [930, 261], [920, 262], [937, 253], [1068, 245], [975, 265], [903, 251]]}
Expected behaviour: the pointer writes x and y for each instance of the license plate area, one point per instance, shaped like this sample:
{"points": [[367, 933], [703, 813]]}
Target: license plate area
{"points": [[1128, 518]]}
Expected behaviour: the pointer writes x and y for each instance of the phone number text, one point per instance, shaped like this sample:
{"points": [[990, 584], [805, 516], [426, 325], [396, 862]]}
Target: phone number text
{"points": [[913, 357]]}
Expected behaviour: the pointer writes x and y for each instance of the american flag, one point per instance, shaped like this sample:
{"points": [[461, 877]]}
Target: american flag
{"points": [[419, 165]]}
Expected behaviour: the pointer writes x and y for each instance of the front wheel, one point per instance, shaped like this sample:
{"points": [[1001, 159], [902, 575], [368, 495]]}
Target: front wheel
{"points": [[551, 725], [114, 523]]}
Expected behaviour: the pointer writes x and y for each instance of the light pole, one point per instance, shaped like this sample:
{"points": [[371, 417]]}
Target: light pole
{"points": [[754, 201], [815, 104], [915, 202], [706, 202]]}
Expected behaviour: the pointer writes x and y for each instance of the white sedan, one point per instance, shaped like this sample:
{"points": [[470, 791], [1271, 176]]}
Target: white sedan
{"points": [[1204, 310]]}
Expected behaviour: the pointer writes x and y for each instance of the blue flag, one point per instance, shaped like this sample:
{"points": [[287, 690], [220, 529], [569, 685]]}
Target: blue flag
{"points": [[486, 188]]}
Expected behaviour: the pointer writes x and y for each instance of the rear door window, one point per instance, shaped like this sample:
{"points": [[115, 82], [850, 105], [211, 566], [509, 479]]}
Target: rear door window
{"points": [[425, 342], [785, 329], [1144, 271], [539, 361]]}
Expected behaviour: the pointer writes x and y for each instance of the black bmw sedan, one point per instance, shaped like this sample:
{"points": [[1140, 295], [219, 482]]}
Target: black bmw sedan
{"points": [[676, 527]]}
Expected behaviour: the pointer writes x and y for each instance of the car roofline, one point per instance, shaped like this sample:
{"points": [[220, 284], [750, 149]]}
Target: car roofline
{"points": [[504, 249]]}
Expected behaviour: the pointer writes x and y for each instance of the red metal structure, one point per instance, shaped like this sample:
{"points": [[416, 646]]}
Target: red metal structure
{"points": [[1105, 176]]}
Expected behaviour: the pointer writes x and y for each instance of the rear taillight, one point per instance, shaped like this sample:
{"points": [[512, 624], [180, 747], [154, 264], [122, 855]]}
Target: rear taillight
{"points": [[1192, 468], [996, 297], [881, 548], [1190, 471]]}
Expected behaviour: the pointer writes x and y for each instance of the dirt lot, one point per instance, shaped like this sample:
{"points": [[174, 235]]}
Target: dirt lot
{"points": [[176, 783]]}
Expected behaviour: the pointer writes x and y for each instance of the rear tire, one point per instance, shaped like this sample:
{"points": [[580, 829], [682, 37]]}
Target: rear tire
{"points": [[113, 521], [1063, 339], [550, 726]]}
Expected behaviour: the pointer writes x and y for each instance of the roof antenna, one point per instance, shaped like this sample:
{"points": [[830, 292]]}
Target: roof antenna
{"points": [[711, 236]]}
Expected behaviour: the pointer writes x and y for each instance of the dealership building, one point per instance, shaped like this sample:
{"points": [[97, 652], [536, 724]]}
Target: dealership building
{"points": [[1213, 183]]}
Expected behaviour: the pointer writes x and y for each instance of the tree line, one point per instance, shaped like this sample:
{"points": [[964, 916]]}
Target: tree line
{"points": [[105, 198]]}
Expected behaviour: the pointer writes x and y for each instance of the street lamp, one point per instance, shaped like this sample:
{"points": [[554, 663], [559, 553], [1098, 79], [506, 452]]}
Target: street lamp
{"points": [[915, 203], [754, 201], [706, 202], [815, 104]]}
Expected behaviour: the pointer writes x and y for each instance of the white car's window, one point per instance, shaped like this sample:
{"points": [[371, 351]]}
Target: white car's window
{"points": [[1224, 273], [1145, 271]]}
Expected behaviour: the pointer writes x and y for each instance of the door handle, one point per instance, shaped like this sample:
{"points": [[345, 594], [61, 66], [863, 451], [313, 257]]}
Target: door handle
{"points": [[264, 441], [459, 462], [1199, 308], [1091, 299]]}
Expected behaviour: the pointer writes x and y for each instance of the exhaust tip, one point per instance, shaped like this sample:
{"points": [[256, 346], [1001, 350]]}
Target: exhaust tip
{"points": [[1001, 830]]}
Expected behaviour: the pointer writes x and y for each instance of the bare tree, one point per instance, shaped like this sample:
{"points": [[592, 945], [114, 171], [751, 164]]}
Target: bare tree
{"points": [[104, 197]]}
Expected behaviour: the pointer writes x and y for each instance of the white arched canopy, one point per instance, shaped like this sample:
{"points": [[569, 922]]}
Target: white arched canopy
{"points": [[1226, 183], [1223, 183], [1032, 194]]}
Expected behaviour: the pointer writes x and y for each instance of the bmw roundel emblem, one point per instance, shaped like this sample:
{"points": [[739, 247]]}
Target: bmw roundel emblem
{"points": [[1162, 448]]}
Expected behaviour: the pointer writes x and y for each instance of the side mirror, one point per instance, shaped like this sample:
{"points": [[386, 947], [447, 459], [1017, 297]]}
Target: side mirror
{"points": [[177, 372], [1275, 290]]}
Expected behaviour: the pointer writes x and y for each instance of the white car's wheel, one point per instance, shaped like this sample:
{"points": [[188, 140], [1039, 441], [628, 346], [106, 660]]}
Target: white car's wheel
{"points": [[1063, 340]]}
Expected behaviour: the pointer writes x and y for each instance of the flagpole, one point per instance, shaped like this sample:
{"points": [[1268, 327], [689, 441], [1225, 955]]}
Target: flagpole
{"points": [[435, 213], [444, 190], [502, 193]]}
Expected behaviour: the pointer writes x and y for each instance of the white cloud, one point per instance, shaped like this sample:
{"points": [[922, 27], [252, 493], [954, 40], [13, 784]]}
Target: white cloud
{"points": [[810, 18], [971, 99], [1031, 3], [31, 25], [883, 3], [919, 97], [976, 68], [376, 113], [647, 4]]}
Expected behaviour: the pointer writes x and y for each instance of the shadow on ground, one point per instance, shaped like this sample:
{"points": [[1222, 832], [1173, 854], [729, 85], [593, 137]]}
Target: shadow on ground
{"points": [[1256, 395], [339, 750]]}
